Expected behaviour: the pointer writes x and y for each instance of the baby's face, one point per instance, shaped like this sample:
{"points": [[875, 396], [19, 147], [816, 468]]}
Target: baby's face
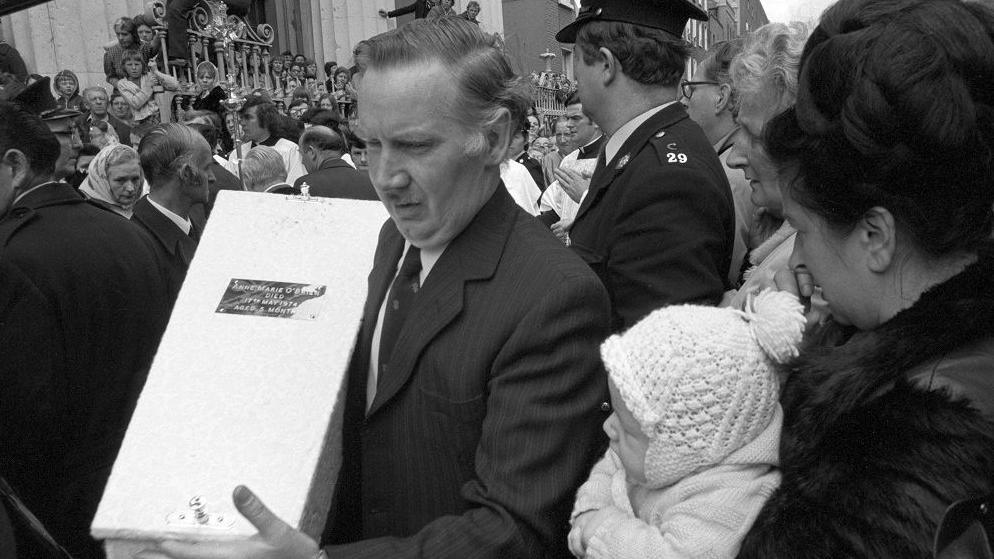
{"points": [[627, 439]]}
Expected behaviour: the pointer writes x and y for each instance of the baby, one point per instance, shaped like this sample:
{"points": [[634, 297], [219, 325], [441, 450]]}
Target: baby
{"points": [[694, 434]]}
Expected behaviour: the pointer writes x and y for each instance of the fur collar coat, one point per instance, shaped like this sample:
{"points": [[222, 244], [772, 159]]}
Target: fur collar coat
{"points": [[885, 430]]}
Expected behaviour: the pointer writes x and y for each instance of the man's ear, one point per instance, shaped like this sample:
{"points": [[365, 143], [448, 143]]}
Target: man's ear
{"points": [[724, 98], [20, 168], [608, 66], [877, 237], [498, 137]]}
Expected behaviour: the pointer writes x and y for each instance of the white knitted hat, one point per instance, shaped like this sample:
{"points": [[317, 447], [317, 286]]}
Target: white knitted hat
{"points": [[701, 380]]}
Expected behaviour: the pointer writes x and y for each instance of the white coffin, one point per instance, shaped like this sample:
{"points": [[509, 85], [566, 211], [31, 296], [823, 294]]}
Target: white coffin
{"points": [[243, 399]]}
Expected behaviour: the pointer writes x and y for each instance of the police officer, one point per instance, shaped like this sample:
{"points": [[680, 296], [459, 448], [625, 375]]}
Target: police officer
{"points": [[657, 223]]}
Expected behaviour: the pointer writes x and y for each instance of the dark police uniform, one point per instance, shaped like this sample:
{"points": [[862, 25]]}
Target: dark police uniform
{"points": [[658, 222]]}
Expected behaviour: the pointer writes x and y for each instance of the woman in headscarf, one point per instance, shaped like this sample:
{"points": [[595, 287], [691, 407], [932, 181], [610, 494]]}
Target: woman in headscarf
{"points": [[114, 179]]}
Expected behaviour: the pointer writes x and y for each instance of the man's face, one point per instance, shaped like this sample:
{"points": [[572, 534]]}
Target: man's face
{"points": [[296, 71], [125, 180], [563, 138], [67, 132], [359, 158], [473, 11], [98, 102], [250, 125], [121, 108], [124, 38], [588, 84], [417, 153], [517, 144], [701, 103], [579, 126], [298, 111]]}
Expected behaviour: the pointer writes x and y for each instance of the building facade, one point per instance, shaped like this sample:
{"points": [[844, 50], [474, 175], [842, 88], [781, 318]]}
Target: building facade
{"points": [[70, 34], [530, 28]]}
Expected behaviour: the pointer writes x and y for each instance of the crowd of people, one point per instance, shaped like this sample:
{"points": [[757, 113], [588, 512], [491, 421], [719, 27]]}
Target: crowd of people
{"points": [[742, 313]]}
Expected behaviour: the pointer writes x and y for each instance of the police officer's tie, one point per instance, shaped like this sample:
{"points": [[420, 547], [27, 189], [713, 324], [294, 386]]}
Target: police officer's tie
{"points": [[399, 301]]}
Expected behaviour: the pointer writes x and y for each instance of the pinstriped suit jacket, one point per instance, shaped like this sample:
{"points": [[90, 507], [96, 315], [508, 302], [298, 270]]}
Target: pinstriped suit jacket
{"points": [[489, 418]]}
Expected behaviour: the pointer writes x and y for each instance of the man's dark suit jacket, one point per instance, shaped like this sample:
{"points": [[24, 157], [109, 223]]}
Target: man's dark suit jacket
{"points": [[175, 248], [489, 416], [337, 179], [122, 129], [658, 222], [83, 308]]}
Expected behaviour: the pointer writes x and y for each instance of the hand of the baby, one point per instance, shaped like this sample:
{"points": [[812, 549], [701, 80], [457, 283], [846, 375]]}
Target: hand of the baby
{"points": [[586, 525]]}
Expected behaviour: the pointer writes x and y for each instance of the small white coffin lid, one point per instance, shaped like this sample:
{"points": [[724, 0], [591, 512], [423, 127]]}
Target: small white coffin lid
{"points": [[235, 399]]}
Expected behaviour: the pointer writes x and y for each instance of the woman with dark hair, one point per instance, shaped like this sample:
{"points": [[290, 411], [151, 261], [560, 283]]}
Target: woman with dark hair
{"points": [[889, 413]]}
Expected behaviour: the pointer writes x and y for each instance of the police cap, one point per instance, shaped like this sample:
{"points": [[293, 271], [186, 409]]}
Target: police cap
{"points": [[668, 15]]}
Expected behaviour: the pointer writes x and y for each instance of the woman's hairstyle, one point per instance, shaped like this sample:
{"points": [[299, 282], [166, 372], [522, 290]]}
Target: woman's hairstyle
{"points": [[768, 62], [895, 108], [648, 56], [482, 73], [328, 66], [128, 25]]}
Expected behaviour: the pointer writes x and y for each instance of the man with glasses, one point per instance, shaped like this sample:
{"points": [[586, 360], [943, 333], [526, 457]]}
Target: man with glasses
{"points": [[657, 222], [710, 102]]}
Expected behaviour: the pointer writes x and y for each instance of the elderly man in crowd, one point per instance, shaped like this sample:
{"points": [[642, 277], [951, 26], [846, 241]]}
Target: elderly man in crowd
{"points": [[563, 146], [178, 167], [84, 309], [259, 119], [263, 171], [97, 101], [328, 175], [657, 223], [470, 423]]}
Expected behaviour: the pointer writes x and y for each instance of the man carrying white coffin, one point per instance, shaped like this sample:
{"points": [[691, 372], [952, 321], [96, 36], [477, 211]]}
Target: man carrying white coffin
{"points": [[469, 425]]}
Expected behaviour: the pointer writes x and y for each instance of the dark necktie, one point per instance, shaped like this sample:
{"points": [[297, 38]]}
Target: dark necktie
{"points": [[400, 299]]}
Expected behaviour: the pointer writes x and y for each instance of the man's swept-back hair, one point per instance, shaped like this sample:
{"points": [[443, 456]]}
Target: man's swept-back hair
{"points": [[262, 167], [648, 56], [165, 149], [26, 132], [482, 73]]}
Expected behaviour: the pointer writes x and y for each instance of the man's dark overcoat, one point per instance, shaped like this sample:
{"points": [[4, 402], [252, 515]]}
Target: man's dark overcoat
{"points": [[82, 308]]}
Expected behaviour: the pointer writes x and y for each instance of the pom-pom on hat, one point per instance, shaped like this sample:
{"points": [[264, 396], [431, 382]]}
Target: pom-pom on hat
{"points": [[701, 381]]}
